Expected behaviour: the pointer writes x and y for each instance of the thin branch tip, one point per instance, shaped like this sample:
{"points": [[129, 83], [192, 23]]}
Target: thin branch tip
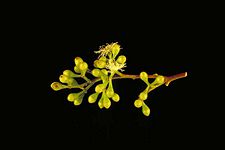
{"points": [[175, 77]]}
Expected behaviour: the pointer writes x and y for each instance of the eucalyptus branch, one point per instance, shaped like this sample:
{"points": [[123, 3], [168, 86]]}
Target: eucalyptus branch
{"points": [[108, 67]]}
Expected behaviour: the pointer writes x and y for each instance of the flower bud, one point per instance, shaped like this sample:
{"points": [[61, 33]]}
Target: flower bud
{"points": [[78, 101], [73, 96], [93, 97], [115, 49], [77, 98], [68, 80], [63, 78], [103, 58], [99, 63], [69, 73], [110, 91], [99, 88], [116, 97], [76, 69], [144, 77], [145, 109], [121, 59], [96, 72], [83, 66], [72, 82], [159, 79], [78, 60], [138, 103], [143, 95], [105, 79], [57, 86], [100, 103], [105, 72], [106, 102]]}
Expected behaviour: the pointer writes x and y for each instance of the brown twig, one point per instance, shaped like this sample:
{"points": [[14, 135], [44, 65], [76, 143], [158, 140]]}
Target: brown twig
{"points": [[167, 81], [174, 77]]}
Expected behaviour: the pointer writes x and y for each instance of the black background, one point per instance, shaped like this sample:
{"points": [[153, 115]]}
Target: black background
{"points": [[159, 41]]}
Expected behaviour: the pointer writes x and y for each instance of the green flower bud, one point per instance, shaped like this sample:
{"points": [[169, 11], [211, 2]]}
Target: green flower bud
{"points": [[96, 72], [77, 98], [104, 80], [145, 109], [103, 58], [69, 73], [116, 97], [72, 82], [68, 80], [104, 76], [93, 97], [95, 63], [73, 96], [159, 79], [63, 78], [121, 59], [115, 50], [105, 72], [78, 101], [99, 88], [106, 102], [144, 77], [76, 69], [99, 63], [83, 66], [143, 95], [110, 91], [78, 60], [57, 86], [100, 102], [138, 103]]}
